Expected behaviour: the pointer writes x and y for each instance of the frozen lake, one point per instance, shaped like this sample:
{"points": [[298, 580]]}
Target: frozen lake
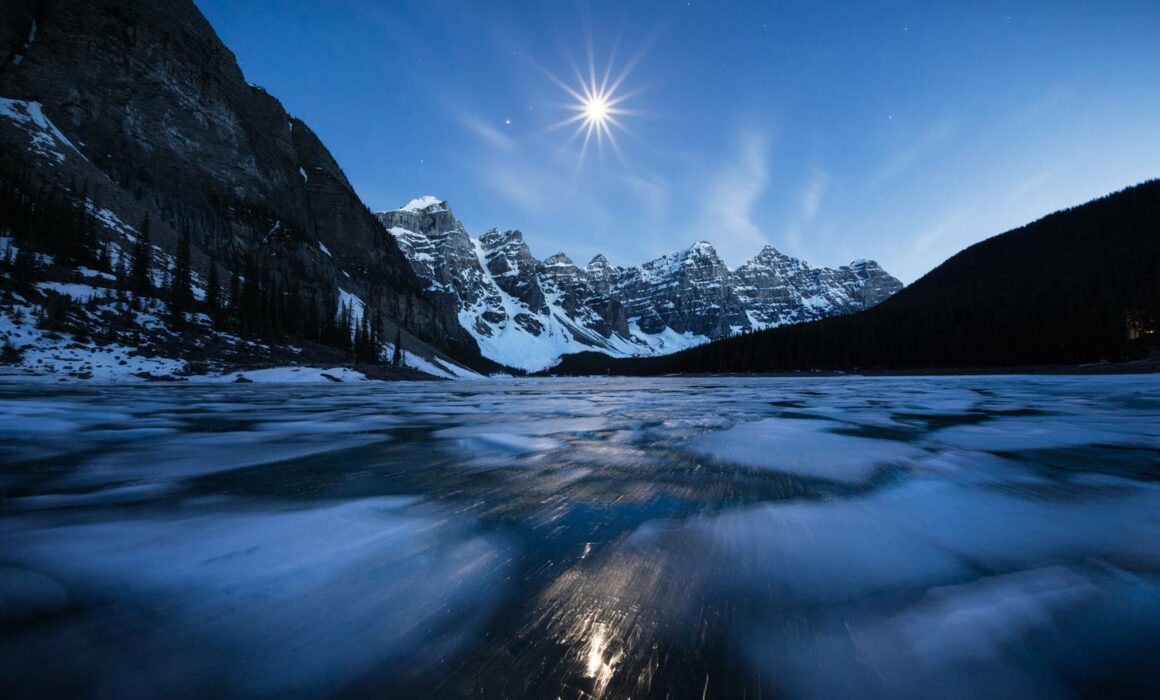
{"points": [[827, 537]]}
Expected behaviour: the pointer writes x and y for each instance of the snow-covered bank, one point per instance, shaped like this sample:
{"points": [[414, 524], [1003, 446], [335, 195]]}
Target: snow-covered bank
{"points": [[286, 375], [32, 351]]}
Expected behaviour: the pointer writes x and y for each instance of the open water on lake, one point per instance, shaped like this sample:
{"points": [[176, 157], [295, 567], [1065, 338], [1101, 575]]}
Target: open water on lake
{"points": [[705, 538]]}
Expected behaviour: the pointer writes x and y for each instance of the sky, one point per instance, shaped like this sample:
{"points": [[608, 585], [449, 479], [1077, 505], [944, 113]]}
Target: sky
{"points": [[896, 131]]}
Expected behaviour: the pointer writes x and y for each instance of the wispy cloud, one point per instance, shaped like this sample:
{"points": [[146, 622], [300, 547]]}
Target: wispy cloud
{"points": [[727, 213], [947, 227], [809, 199], [1029, 185], [920, 147], [504, 163], [486, 133], [812, 195]]}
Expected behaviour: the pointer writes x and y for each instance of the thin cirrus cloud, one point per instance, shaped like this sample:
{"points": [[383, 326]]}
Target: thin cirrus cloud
{"points": [[810, 197], [924, 144], [728, 217]]}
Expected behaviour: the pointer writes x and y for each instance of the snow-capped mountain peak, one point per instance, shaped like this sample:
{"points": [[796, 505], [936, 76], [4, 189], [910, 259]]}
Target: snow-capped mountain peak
{"points": [[767, 252], [423, 204]]}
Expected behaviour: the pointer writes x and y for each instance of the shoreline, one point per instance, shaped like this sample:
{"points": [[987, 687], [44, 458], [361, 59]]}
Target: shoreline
{"points": [[319, 374]]}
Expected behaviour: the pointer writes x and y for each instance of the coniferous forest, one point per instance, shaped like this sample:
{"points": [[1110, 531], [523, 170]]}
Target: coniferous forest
{"points": [[1078, 286], [55, 229]]}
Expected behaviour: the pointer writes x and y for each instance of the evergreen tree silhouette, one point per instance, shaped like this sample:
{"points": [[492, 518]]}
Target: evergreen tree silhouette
{"points": [[397, 356], [141, 263]]}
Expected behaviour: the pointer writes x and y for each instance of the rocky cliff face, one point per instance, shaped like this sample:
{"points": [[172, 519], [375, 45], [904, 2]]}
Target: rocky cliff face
{"points": [[527, 313], [164, 123], [777, 289], [689, 291]]}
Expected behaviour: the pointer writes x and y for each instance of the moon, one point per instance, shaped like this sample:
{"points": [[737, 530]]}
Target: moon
{"points": [[596, 110]]}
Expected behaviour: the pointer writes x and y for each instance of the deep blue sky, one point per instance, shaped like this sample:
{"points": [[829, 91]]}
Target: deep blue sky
{"points": [[899, 131]]}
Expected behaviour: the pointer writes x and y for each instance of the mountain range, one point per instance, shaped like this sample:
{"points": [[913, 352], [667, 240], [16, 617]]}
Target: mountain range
{"points": [[1077, 287], [527, 313]]}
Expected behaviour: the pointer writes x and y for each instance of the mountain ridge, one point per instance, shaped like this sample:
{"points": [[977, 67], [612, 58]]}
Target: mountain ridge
{"points": [[555, 307]]}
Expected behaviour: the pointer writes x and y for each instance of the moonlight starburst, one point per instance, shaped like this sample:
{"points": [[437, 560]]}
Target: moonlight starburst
{"points": [[597, 106]]}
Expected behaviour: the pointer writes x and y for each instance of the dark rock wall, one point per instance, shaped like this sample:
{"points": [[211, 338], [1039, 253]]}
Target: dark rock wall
{"points": [[155, 101]]}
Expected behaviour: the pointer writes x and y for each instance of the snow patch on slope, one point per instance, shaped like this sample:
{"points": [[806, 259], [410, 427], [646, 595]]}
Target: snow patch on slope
{"points": [[62, 356], [287, 375], [421, 203], [433, 366], [357, 308], [45, 139]]}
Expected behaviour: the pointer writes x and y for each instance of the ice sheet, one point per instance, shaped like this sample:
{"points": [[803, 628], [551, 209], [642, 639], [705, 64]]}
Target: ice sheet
{"points": [[261, 603], [806, 448], [679, 537]]}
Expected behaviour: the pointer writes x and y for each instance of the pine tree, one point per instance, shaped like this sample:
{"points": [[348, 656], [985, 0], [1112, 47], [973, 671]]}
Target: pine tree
{"points": [[25, 265], [70, 235], [249, 301], [181, 281], [345, 332], [397, 356], [121, 270], [312, 326], [139, 270], [235, 294], [330, 330], [365, 344], [213, 293], [101, 257]]}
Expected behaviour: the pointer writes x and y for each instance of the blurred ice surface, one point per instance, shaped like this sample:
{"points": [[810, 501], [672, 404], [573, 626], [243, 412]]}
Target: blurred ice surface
{"points": [[936, 537], [1046, 433], [806, 448], [251, 602]]}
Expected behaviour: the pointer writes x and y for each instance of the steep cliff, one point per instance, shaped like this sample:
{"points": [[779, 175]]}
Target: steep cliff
{"points": [[164, 124]]}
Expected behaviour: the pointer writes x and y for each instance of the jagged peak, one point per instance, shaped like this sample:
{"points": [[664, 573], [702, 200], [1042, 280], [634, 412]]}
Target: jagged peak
{"points": [[559, 260], [698, 249], [494, 237], [765, 256]]}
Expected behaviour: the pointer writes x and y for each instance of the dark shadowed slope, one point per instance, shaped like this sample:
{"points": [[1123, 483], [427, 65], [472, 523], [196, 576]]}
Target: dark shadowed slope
{"points": [[163, 123], [1079, 285]]}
